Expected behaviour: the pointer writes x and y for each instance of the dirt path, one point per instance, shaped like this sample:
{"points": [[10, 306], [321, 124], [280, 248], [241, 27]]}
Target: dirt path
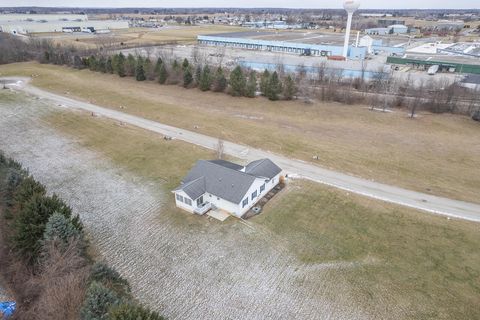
{"points": [[205, 270], [413, 199]]}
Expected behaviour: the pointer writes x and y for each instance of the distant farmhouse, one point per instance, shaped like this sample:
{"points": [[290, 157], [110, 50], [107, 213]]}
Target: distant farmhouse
{"points": [[221, 184]]}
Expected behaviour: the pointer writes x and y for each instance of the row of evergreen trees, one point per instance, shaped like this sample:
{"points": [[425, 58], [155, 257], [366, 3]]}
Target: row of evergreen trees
{"points": [[239, 83], [42, 225]]}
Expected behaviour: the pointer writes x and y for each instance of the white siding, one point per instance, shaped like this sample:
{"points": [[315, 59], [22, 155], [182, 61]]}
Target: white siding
{"points": [[256, 186], [233, 208], [183, 205]]}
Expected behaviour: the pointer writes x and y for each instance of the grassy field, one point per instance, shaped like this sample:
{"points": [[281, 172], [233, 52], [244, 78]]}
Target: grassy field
{"points": [[138, 36], [436, 154], [428, 267]]}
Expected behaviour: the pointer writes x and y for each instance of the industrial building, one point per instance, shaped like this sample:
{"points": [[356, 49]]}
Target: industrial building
{"points": [[448, 64], [283, 46], [392, 29], [35, 23]]}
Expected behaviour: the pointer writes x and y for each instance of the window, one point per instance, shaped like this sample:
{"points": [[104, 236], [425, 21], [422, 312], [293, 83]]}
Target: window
{"points": [[188, 201], [244, 202], [199, 201], [179, 198], [262, 188], [273, 180], [254, 194]]}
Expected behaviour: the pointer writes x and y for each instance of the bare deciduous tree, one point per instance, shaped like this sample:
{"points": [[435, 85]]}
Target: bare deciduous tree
{"points": [[220, 149]]}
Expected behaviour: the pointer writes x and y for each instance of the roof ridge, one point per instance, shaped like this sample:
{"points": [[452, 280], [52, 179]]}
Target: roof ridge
{"points": [[230, 169], [258, 162]]}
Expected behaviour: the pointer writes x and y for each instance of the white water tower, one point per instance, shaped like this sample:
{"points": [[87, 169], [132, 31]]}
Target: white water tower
{"points": [[350, 6]]}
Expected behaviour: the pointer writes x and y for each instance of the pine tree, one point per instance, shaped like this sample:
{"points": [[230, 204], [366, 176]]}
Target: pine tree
{"points": [[237, 82], [92, 63], [133, 312], [220, 83], [158, 65], [187, 78], [102, 64], [109, 65], [140, 73], [98, 301], [26, 190], [148, 68], [31, 220], [274, 87], [205, 79], [264, 82], [185, 64], [175, 65], [130, 65], [120, 65], [162, 74], [60, 232], [289, 88], [198, 74], [104, 274], [251, 85]]}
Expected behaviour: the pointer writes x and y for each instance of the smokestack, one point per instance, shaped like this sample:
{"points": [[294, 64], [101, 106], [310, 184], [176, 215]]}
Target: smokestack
{"points": [[350, 6]]}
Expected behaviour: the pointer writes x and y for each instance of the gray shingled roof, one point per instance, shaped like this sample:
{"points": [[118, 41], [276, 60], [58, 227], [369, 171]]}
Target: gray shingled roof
{"points": [[263, 168], [227, 164], [220, 181], [225, 179], [194, 188]]}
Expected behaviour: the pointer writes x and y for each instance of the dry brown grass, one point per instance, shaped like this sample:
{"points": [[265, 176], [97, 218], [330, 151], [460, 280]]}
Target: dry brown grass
{"points": [[437, 154], [138, 36], [423, 266]]}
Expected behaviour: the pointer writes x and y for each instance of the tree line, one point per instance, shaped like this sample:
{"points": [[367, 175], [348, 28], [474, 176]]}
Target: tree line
{"points": [[45, 256], [238, 82]]}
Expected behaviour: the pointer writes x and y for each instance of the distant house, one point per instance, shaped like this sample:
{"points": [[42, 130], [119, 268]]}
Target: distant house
{"points": [[226, 185]]}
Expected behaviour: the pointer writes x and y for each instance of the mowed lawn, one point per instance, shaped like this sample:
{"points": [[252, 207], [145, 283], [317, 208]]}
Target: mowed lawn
{"points": [[436, 154], [426, 266]]}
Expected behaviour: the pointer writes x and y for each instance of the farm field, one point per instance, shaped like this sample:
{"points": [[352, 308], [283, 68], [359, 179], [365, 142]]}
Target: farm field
{"points": [[436, 154], [313, 252]]}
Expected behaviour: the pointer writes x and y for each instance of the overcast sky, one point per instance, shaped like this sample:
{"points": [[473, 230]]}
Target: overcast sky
{"points": [[370, 4]]}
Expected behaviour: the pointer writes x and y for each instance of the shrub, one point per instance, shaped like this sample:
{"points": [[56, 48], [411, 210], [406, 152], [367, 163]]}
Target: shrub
{"points": [[133, 312], [109, 277], [98, 301]]}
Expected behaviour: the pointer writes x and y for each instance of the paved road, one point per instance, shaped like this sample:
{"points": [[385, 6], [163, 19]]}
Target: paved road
{"points": [[413, 199]]}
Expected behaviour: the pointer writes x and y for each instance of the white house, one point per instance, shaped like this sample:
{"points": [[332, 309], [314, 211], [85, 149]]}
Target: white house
{"points": [[226, 185]]}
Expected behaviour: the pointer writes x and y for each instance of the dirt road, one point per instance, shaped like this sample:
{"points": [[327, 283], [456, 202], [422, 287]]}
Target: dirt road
{"points": [[413, 199]]}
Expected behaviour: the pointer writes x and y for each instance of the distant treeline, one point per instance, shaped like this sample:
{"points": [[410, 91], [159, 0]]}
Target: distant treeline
{"points": [[44, 256]]}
